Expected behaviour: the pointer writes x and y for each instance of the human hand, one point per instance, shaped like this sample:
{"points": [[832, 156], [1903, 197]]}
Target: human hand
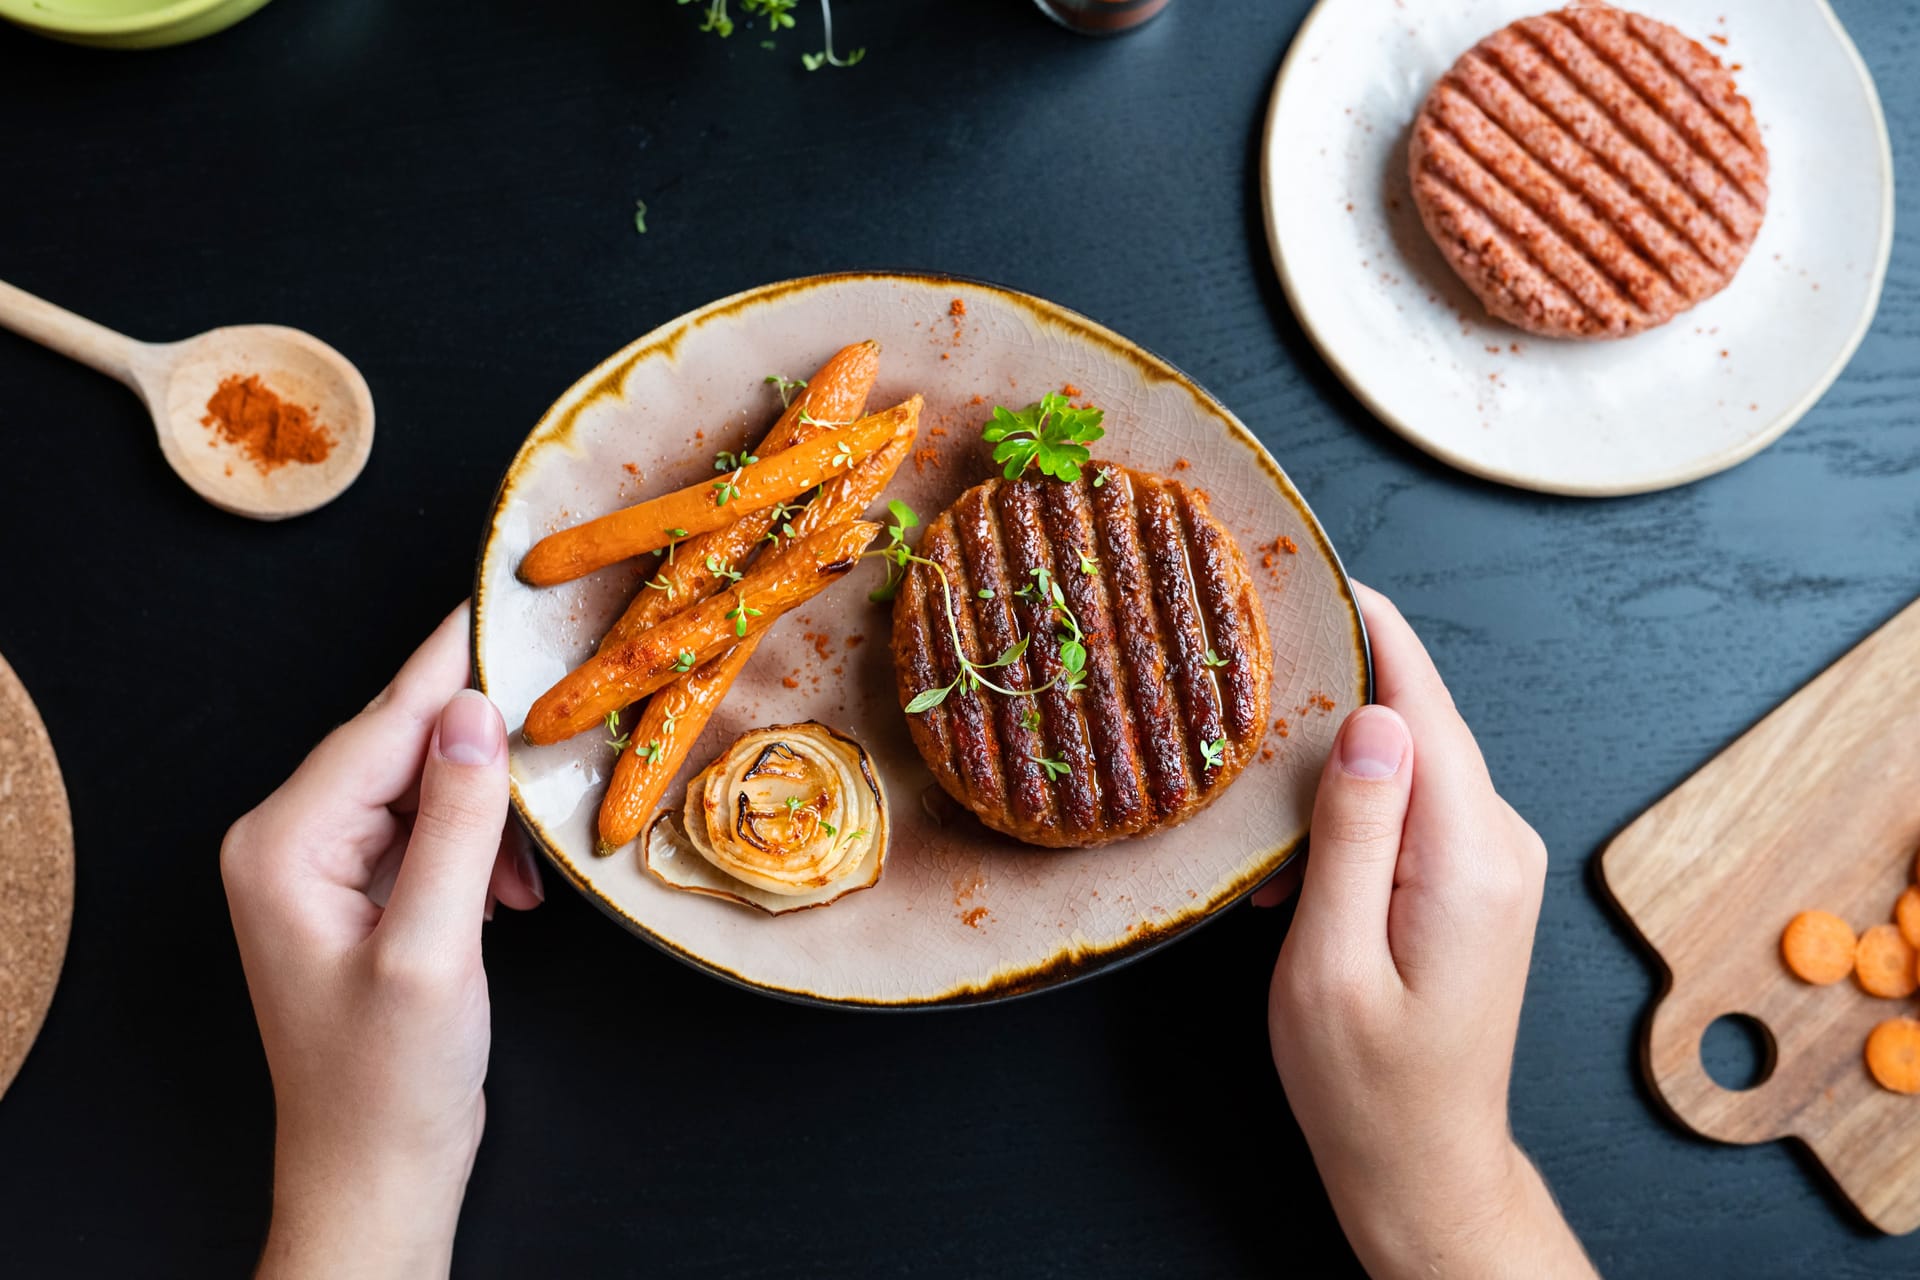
{"points": [[1396, 999], [374, 1018]]}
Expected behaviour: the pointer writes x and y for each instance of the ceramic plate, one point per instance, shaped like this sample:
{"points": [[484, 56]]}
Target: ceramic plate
{"points": [[1704, 392], [962, 914]]}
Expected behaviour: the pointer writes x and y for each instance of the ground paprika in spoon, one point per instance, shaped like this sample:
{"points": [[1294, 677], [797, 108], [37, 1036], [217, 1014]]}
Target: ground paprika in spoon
{"points": [[269, 431]]}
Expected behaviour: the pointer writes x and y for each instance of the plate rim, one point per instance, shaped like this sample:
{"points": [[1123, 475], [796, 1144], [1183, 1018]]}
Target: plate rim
{"points": [[1710, 465], [1057, 971]]}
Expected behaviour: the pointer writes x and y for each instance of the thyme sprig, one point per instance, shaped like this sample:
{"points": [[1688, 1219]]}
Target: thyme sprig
{"points": [[1072, 646]]}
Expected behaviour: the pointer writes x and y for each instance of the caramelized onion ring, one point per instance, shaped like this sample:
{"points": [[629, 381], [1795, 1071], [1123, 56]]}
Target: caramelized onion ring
{"points": [[791, 810]]}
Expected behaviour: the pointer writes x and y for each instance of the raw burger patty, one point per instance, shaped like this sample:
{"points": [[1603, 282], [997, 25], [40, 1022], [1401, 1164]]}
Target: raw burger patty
{"points": [[1170, 584], [1589, 173]]}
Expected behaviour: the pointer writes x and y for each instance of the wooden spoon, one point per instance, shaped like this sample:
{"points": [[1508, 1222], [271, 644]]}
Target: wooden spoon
{"points": [[175, 380]]}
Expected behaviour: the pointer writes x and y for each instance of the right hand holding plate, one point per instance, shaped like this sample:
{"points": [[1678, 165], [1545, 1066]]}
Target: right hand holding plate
{"points": [[1396, 999]]}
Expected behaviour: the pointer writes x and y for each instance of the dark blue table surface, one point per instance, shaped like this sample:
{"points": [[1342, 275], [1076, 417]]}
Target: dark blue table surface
{"points": [[444, 189]]}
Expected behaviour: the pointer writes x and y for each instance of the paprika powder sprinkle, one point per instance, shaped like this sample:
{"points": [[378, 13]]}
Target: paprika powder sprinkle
{"points": [[269, 431]]}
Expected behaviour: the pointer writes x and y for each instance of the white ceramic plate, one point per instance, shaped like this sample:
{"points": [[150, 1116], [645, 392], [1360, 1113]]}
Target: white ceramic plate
{"points": [[1672, 405], [962, 915]]}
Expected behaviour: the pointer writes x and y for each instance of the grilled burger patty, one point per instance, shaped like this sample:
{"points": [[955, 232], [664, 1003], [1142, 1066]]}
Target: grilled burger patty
{"points": [[1589, 173], [1168, 585]]}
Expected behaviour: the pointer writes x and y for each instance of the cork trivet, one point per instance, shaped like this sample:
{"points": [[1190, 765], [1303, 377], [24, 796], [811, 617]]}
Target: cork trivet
{"points": [[36, 873]]}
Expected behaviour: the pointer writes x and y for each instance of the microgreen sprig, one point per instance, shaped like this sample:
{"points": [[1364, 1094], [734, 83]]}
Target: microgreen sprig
{"points": [[683, 661], [722, 569], [1052, 434], [786, 387], [1055, 768], [1072, 647], [739, 614], [1214, 753]]}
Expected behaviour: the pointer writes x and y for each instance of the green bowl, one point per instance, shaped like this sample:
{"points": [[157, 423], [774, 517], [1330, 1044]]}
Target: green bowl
{"points": [[126, 24]]}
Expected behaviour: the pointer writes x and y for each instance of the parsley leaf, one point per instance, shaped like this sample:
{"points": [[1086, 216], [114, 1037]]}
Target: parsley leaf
{"points": [[1052, 434], [1054, 768]]}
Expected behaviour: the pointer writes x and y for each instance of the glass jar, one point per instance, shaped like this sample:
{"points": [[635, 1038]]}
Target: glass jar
{"points": [[1101, 17]]}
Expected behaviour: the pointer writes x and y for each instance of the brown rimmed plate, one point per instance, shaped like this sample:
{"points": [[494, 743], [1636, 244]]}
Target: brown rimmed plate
{"points": [[963, 914]]}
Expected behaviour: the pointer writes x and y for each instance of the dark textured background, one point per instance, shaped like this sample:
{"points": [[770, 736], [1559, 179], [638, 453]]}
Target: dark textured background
{"points": [[443, 189]]}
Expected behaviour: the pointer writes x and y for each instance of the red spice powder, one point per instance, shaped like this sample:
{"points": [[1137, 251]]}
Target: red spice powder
{"points": [[973, 918], [924, 458], [853, 641], [631, 468], [1069, 390], [790, 682], [271, 432], [1280, 727], [1717, 38], [958, 307], [1286, 544], [936, 431], [1181, 464], [978, 400]]}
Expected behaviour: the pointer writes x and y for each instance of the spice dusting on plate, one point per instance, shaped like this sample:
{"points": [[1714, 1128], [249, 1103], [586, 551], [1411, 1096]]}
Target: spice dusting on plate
{"points": [[270, 431]]}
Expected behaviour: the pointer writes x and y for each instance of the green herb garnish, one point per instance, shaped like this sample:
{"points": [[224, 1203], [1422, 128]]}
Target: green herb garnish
{"points": [[1054, 768], [786, 387], [1053, 434], [1214, 753], [684, 660], [740, 613]]}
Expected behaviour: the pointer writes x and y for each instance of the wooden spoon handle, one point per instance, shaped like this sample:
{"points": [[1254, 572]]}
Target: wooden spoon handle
{"points": [[113, 354]]}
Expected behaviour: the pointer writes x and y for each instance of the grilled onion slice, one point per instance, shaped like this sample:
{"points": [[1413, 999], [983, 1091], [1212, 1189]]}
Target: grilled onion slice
{"points": [[790, 816]]}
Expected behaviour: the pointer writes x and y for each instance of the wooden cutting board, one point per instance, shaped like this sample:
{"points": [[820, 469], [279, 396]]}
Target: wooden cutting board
{"points": [[1816, 806], [36, 873]]}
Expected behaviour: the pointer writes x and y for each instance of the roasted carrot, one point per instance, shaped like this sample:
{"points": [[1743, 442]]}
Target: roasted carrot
{"points": [[1906, 914], [632, 670], [672, 721], [1818, 947], [837, 392], [1884, 963], [1893, 1055], [704, 507]]}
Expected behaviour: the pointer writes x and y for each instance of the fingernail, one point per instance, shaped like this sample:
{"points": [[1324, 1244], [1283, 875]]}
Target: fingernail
{"points": [[1373, 744], [487, 915], [529, 871], [469, 729]]}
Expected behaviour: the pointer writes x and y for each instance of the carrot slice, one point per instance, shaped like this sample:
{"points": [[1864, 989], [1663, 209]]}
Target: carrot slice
{"points": [[1818, 947], [1893, 1055], [837, 392], [656, 658], [671, 722], [1906, 914], [1884, 963], [704, 507]]}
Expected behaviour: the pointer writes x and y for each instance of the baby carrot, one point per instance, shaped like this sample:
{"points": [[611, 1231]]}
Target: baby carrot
{"points": [[1893, 1055], [1818, 947], [704, 507], [837, 392], [671, 723], [631, 671], [1884, 963]]}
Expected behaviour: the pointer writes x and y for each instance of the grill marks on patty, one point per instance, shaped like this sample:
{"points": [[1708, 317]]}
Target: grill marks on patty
{"points": [[1590, 173], [1170, 584]]}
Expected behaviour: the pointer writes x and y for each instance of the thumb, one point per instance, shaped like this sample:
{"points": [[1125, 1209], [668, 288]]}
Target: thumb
{"points": [[1359, 816], [441, 892]]}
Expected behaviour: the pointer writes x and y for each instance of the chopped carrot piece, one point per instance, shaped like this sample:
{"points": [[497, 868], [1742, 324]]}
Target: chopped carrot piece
{"points": [[1893, 1055], [1884, 962], [1818, 947], [1906, 914]]}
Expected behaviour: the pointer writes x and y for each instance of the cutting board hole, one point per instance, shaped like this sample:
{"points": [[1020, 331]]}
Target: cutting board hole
{"points": [[1738, 1052]]}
